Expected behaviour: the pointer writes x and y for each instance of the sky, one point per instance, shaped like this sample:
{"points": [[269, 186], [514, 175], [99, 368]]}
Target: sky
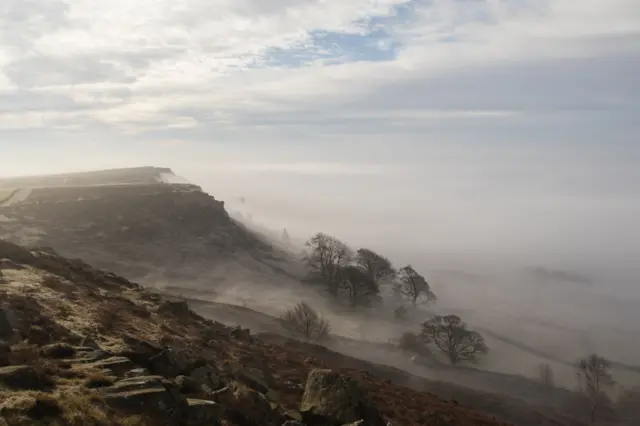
{"points": [[504, 128]]}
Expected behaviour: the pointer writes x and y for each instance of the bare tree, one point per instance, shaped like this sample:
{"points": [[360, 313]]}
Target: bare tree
{"points": [[400, 313], [304, 321], [594, 378], [357, 284], [413, 285], [546, 375], [326, 257], [450, 334], [377, 267]]}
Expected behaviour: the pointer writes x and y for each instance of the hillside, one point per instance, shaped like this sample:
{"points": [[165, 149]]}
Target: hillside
{"points": [[140, 224], [86, 347]]}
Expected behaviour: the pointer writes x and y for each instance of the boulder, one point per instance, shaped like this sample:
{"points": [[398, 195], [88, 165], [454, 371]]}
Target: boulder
{"points": [[252, 377], [247, 406], [202, 413], [332, 398], [23, 377], [207, 376], [169, 363], [188, 386]]}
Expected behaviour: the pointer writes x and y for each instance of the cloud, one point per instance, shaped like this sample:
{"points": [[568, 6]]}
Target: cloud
{"points": [[138, 66]]}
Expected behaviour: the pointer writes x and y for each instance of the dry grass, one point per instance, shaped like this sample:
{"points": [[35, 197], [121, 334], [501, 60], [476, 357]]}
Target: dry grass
{"points": [[98, 379], [108, 318], [62, 408]]}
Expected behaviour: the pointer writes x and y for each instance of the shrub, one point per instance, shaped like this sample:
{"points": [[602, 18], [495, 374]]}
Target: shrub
{"points": [[304, 321]]}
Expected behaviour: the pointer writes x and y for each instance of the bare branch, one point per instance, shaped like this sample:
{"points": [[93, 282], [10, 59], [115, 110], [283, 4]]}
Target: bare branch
{"points": [[304, 321]]}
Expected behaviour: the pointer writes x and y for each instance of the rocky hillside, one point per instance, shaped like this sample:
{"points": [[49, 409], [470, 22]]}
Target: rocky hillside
{"points": [[138, 223], [79, 346]]}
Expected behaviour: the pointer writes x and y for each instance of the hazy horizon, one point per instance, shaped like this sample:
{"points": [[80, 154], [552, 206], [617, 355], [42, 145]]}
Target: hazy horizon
{"points": [[502, 132]]}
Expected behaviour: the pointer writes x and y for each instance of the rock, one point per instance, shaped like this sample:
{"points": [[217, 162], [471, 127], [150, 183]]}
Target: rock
{"points": [[293, 423], [239, 333], [23, 377], [188, 385], [246, 405], [150, 395], [207, 376], [87, 356], [358, 423], [136, 372], [202, 413], [169, 363], [252, 377], [137, 350], [335, 399], [57, 351], [118, 365], [5, 351]]}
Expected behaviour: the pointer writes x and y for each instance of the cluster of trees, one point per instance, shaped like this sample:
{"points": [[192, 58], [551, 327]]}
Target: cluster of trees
{"points": [[449, 335], [358, 276]]}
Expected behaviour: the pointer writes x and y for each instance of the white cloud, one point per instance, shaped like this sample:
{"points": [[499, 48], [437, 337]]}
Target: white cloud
{"points": [[134, 65]]}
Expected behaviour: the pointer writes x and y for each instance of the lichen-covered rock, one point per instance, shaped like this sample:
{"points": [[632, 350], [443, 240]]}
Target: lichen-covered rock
{"points": [[332, 398]]}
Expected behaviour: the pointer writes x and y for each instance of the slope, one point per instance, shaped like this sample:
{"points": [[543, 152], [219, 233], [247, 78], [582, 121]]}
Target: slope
{"points": [[87, 347], [133, 222]]}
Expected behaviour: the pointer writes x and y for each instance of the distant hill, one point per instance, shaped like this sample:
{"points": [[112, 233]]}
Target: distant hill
{"points": [[144, 223]]}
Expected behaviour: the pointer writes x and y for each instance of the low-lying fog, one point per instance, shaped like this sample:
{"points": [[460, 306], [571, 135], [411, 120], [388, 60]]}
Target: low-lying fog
{"points": [[477, 223]]}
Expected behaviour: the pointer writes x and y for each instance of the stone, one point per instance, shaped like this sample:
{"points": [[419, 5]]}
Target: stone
{"points": [[136, 372], [336, 399], [118, 365], [202, 413], [150, 395], [188, 385], [57, 351], [252, 377], [293, 423], [247, 405], [23, 377], [207, 376], [169, 363]]}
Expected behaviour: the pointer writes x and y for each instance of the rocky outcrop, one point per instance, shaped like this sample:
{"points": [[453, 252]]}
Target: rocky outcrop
{"points": [[134, 224], [334, 399], [88, 347]]}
